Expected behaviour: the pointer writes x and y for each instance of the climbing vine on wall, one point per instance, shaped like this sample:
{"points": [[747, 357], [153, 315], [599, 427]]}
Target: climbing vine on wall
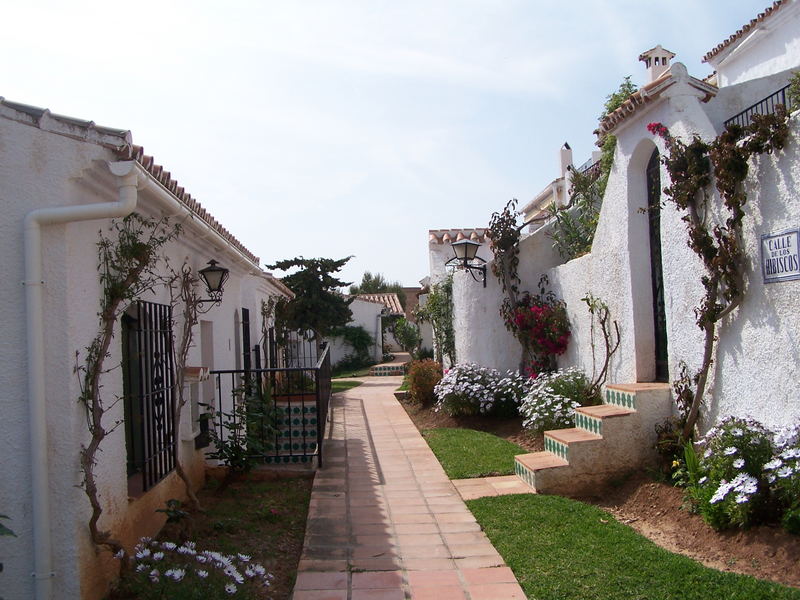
{"points": [[438, 311], [691, 168], [128, 258], [539, 322]]}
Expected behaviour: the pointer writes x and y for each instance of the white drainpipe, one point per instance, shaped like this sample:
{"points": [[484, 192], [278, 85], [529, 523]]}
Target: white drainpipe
{"points": [[43, 569]]}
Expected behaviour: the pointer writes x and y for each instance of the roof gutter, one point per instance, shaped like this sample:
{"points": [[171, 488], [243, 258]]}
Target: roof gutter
{"points": [[43, 573], [174, 207]]}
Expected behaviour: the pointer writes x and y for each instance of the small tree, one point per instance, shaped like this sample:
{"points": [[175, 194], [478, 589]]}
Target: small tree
{"points": [[407, 335], [316, 307], [438, 311], [609, 143]]}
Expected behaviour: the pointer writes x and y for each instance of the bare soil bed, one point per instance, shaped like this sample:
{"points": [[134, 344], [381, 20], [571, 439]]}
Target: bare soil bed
{"points": [[656, 510]]}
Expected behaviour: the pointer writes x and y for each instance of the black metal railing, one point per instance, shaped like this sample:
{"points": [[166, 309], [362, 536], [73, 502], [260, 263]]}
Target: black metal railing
{"points": [[291, 404], [589, 165], [767, 106]]}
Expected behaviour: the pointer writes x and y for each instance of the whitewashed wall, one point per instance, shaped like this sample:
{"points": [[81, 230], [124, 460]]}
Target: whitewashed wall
{"points": [[367, 315], [39, 169], [756, 367], [771, 47]]}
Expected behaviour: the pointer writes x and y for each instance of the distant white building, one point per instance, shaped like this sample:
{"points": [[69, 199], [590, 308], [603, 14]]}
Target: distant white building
{"points": [[63, 180]]}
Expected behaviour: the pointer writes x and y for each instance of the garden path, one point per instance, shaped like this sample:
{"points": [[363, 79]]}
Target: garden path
{"points": [[385, 522]]}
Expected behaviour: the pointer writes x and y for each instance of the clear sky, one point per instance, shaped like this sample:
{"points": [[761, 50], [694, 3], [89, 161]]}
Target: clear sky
{"points": [[330, 128]]}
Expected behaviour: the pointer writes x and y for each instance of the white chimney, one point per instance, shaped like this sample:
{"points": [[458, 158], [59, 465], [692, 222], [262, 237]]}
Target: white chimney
{"points": [[656, 61], [566, 158]]}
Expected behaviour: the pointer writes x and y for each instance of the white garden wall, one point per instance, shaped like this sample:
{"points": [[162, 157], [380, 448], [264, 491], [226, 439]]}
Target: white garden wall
{"points": [[755, 371], [367, 315]]}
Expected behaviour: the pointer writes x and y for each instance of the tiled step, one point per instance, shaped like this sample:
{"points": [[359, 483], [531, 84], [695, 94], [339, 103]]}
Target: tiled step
{"points": [[594, 418], [537, 468], [387, 370], [608, 440], [576, 446]]}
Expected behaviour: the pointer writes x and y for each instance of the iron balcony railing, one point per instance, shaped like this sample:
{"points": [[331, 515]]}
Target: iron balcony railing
{"points": [[290, 405], [588, 166], [767, 106]]}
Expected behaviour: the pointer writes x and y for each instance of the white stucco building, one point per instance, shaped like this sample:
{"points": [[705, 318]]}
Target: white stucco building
{"points": [[63, 180], [756, 367]]}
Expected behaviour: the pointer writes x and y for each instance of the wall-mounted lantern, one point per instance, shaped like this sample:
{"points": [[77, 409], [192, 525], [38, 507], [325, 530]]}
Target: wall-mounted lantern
{"points": [[214, 277], [466, 257]]}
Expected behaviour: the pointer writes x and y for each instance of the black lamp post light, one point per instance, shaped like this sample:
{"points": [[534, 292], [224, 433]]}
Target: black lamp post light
{"points": [[214, 277], [466, 257]]}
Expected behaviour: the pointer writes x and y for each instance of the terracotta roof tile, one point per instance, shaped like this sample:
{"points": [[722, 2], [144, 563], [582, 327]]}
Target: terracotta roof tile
{"points": [[647, 94], [389, 300], [120, 141], [745, 29], [447, 236]]}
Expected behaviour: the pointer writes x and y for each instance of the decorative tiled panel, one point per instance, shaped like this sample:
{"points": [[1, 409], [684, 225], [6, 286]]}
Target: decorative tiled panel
{"points": [[555, 447], [387, 370], [588, 423], [275, 460], [295, 410], [524, 473], [620, 398]]}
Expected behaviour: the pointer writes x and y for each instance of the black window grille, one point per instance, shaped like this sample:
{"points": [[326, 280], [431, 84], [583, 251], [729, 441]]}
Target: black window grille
{"points": [[149, 383]]}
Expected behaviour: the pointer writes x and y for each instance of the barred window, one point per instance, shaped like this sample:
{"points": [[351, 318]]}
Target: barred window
{"points": [[148, 387]]}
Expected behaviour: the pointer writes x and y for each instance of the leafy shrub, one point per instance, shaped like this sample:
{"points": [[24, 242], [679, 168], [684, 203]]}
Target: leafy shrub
{"points": [[541, 325], [552, 399], [469, 389], [574, 225], [423, 375], [509, 392], [359, 339], [407, 335], [783, 475], [731, 489], [181, 572], [466, 389], [424, 353], [245, 427]]}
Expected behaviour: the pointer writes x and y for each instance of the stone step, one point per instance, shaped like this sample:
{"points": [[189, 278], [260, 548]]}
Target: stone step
{"points": [[608, 440], [543, 471], [597, 419], [577, 446], [387, 370]]}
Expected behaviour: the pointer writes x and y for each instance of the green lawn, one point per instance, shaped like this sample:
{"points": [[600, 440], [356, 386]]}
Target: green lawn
{"points": [[343, 386], [466, 453], [561, 549]]}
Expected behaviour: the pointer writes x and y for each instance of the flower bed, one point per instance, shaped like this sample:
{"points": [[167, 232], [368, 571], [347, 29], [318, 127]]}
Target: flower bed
{"points": [[746, 475]]}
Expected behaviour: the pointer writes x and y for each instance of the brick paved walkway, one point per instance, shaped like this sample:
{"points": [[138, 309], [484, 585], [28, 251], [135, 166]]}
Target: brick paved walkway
{"points": [[384, 521]]}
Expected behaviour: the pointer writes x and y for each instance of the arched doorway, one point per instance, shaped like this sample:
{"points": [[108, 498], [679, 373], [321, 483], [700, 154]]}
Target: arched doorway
{"points": [[656, 269]]}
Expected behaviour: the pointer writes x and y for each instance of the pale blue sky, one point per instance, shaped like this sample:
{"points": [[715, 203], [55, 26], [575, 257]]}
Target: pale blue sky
{"points": [[328, 128]]}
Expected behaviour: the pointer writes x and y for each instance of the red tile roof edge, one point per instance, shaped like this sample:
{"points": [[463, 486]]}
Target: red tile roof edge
{"points": [[441, 236], [119, 141], [745, 29], [134, 152], [389, 299], [645, 95]]}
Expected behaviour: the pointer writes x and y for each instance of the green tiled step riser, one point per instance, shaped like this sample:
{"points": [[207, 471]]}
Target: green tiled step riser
{"points": [[282, 411], [285, 460], [306, 446], [525, 474], [297, 433], [590, 424], [557, 448], [295, 421], [379, 371], [618, 398]]}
